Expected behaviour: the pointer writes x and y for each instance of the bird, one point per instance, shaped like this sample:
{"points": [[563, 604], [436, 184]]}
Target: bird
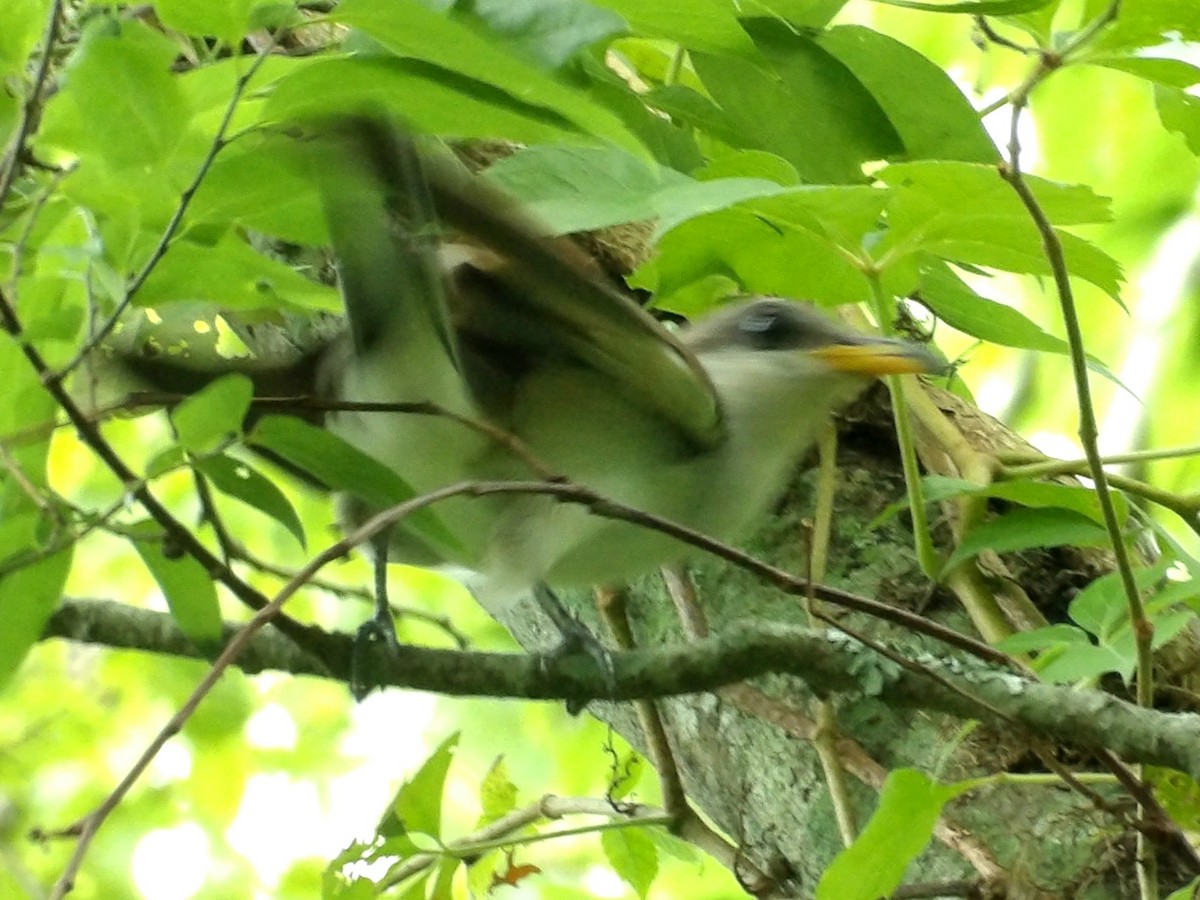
{"points": [[455, 297]]}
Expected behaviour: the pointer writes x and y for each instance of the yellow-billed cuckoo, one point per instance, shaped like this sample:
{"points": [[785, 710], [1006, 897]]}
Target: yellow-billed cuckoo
{"points": [[702, 427]]}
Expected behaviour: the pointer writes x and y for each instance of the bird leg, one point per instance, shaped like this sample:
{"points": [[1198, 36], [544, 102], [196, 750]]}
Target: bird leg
{"points": [[576, 639], [381, 627]]}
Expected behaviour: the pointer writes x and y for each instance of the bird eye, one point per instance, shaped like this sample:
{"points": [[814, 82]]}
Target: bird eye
{"points": [[765, 325], [759, 322]]}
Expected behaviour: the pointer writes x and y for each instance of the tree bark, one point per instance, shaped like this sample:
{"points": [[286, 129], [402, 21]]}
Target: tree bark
{"points": [[746, 755]]}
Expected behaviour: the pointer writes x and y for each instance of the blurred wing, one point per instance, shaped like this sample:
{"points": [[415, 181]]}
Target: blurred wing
{"points": [[557, 299], [385, 235], [384, 204]]}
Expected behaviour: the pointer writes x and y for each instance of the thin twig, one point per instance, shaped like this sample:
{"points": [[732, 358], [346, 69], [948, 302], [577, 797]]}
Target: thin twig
{"points": [[17, 146], [503, 831], [827, 734]]}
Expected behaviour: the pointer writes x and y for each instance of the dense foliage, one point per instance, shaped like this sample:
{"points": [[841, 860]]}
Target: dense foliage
{"points": [[1019, 172]]}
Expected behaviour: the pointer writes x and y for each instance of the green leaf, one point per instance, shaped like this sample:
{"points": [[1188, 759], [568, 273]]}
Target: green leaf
{"points": [[708, 26], [411, 30], [26, 403], [31, 593], [582, 188], [689, 107], [342, 467], [961, 189], [1188, 891], [1167, 72], [214, 413], [238, 480], [971, 7], [843, 216], [751, 164], [873, 866], [497, 794], [1101, 606], [187, 586], [549, 32], [1080, 662], [928, 111], [251, 184], [1179, 794], [1022, 529], [956, 304], [1142, 25], [675, 847], [233, 275], [812, 110], [124, 69], [1043, 638], [443, 884], [632, 855], [1035, 494], [432, 100], [224, 19], [417, 806], [766, 256], [1180, 112], [23, 23], [953, 301], [699, 296], [804, 13], [1173, 593], [965, 212]]}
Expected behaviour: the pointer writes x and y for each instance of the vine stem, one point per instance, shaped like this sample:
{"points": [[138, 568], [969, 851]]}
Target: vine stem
{"points": [[1143, 629]]}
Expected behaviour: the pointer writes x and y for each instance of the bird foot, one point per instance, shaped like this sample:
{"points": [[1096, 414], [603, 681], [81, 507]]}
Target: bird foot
{"points": [[376, 630], [576, 641]]}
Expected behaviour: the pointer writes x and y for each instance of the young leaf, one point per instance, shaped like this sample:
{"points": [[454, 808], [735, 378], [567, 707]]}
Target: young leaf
{"points": [[581, 188], [811, 111], [342, 467], [414, 31], [928, 111], [971, 7], [1081, 662], [214, 413], [1025, 528], [497, 794], [31, 594], [238, 480], [1037, 494], [707, 26], [186, 585], [873, 866], [433, 100], [632, 855], [1179, 112], [417, 806], [233, 275], [125, 71], [628, 772], [227, 20], [1040, 639], [549, 32]]}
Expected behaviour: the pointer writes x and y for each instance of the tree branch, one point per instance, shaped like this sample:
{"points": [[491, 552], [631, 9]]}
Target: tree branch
{"points": [[827, 662]]}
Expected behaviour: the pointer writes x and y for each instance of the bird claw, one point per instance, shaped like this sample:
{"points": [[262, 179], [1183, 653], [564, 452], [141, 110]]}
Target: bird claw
{"points": [[578, 641], [376, 630]]}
